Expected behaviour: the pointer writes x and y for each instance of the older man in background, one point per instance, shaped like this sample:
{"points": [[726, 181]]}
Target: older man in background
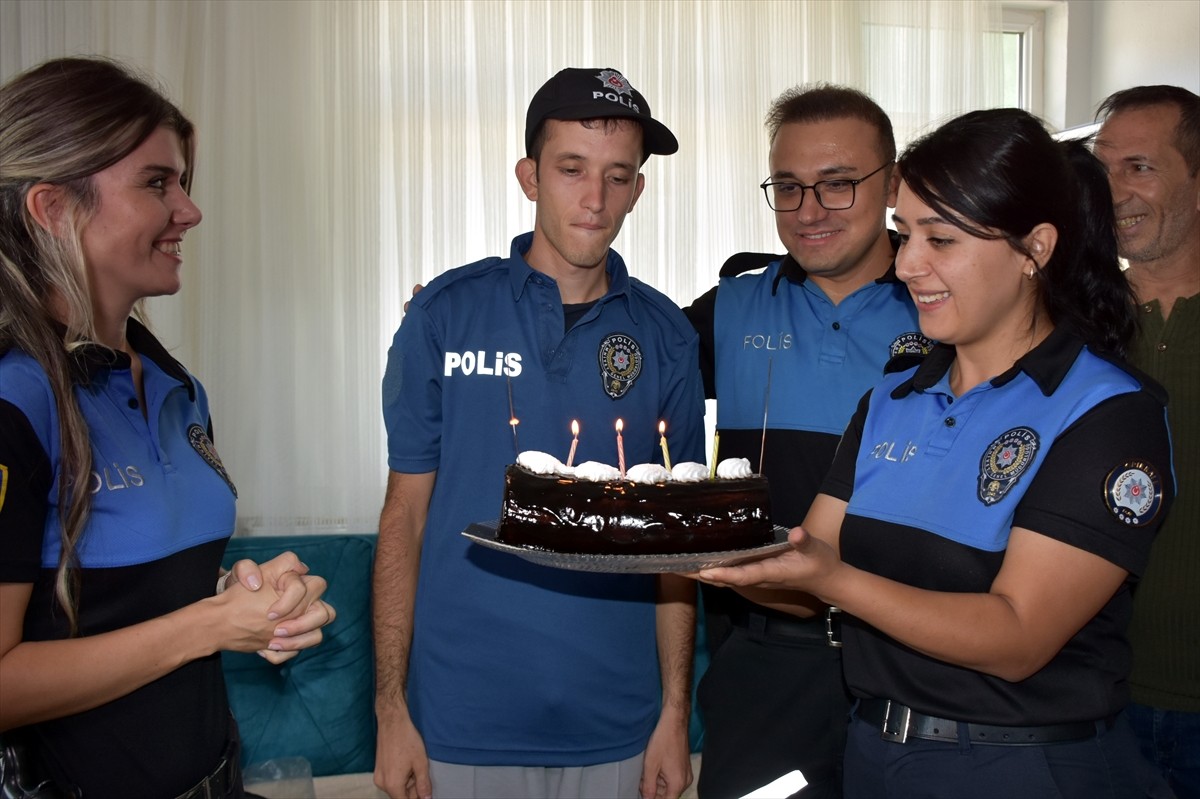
{"points": [[1150, 143]]}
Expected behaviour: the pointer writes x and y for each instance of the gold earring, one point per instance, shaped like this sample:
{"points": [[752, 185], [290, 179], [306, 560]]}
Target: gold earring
{"points": [[1029, 274]]}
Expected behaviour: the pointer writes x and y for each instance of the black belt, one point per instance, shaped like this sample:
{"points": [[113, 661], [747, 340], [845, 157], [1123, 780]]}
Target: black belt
{"points": [[225, 777], [897, 723], [825, 628]]}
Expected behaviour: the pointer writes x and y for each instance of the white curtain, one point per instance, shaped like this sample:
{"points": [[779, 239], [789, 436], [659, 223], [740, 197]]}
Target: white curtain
{"points": [[352, 148]]}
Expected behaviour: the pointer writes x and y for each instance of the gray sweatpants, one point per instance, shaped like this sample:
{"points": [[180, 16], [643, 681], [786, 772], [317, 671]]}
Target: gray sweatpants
{"points": [[604, 781]]}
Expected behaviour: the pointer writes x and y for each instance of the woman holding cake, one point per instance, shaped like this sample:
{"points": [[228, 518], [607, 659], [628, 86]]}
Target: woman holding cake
{"points": [[114, 506], [989, 511]]}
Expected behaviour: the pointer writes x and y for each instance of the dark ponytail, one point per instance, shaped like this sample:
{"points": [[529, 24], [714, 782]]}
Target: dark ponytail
{"points": [[1087, 290]]}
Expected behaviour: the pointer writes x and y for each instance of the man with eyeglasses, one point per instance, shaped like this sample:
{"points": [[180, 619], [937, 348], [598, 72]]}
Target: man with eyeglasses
{"points": [[798, 338]]}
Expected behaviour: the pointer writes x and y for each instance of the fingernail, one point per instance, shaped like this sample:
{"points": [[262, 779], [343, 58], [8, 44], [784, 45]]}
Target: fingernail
{"points": [[272, 615], [280, 632], [276, 647], [254, 582]]}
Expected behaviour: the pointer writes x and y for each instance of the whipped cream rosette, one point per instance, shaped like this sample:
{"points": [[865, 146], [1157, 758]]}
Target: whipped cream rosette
{"points": [[689, 472], [646, 473], [541, 462], [596, 472], [734, 469]]}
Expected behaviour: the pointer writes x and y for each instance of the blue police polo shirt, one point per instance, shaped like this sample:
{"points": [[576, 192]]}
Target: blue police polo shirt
{"points": [[162, 509], [513, 663], [773, 343], [1066, 444], [821, 357], [157, 483]]}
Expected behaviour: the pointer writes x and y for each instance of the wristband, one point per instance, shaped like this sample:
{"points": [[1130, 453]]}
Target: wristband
{"points": [[223, 582]]}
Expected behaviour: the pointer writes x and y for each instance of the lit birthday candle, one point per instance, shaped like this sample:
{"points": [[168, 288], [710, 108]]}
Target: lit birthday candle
{"points": [[662, 442], [620, 449], [512, 420], [574, 441], [712, 465]]}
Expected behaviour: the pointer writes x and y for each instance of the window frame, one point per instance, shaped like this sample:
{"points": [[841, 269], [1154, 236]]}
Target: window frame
{"points": [[1030, 23]]}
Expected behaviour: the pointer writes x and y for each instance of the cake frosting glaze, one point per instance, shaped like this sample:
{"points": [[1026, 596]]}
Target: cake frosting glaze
{"points": [[589, 509]]}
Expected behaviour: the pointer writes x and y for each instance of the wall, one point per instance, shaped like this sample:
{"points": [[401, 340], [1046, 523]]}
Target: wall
{"points": [[1136, 43], [1115, 44]]}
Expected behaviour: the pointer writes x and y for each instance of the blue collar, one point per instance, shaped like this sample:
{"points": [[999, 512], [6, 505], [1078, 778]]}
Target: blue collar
{"points": [[520, 273], [90, 360], [1046, 364]]}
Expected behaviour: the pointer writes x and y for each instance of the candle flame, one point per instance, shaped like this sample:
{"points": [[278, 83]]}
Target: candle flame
{"points": [[574, 427], [514, 421], [662, 442], [620, 449]]}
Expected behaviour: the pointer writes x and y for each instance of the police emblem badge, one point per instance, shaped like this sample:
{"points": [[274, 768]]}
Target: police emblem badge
{"points": [[913, 343], [1133, 492], [615, 82], [203, 445], [1004, 461], [620, 364]]}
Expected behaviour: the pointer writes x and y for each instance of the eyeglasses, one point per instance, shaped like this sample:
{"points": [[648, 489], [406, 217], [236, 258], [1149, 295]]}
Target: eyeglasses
{"points": [[833, 195]]}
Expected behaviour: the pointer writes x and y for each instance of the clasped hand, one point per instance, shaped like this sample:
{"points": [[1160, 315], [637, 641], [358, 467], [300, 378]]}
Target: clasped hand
{"points": [[298, 611]]}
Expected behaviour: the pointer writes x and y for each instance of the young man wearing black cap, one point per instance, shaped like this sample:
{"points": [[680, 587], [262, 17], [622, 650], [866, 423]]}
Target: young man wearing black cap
{"points": [[496, 677]]}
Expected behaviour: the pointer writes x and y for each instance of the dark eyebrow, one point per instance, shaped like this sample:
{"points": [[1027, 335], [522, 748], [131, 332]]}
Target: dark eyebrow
{"points": [[824, 173], [580, 157], [838, 170], [1103, 143], [925, 220]]}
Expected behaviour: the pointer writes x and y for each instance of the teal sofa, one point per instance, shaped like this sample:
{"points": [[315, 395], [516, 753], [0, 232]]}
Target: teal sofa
{"points": [[320, 705]]}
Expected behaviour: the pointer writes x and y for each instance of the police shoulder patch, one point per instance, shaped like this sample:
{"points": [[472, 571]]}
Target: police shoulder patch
{"points": [[1133, 492], [1004, 461], [911, 343], [203, 445], [620, 358]]}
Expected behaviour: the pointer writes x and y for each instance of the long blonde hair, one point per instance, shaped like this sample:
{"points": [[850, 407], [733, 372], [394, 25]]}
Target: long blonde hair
{"points": [[61, 123]]}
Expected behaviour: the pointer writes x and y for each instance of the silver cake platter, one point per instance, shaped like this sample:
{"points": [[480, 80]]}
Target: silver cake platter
{"points": [[484, 534]]}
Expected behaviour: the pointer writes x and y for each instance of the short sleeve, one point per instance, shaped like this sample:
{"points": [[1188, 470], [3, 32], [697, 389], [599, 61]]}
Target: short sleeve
{"points": [[1106, 483], [25, 480], [412, 395], [701, 313]]}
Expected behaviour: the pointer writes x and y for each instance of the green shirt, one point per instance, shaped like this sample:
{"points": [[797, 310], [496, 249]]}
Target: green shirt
{"points": [[1165, 631]]}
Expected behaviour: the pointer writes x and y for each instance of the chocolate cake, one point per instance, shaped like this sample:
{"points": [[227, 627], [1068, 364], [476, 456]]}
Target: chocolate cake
{"points": [[620, 517]]}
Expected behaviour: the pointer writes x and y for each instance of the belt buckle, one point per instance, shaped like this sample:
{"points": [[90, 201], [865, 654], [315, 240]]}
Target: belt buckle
{"points": [[895, 722], [833, 627]]}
